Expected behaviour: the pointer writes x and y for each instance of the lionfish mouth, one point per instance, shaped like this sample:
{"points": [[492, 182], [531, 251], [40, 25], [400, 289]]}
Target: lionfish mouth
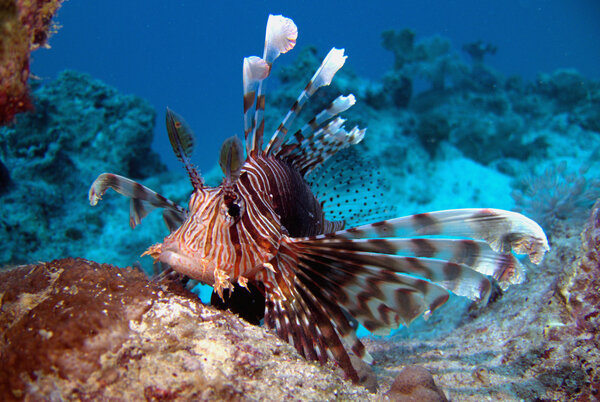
{"points": [[173, 256]]}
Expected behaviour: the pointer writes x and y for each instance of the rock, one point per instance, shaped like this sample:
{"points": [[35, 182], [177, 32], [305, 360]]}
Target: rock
{"points": [[75, 329], [415, 384]]}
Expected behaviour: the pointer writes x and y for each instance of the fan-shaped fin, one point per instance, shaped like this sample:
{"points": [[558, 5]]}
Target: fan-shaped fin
{"points": [[379, 299], [344, 197], [477, 255], [301, 314], [458, 278]]}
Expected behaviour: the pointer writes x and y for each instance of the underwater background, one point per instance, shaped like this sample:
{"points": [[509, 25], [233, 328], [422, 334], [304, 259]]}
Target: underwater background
{"points": [[467, 103], [188, 55]]}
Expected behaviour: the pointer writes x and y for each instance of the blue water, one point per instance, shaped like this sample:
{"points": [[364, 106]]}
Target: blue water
{"points": [[188, 55]]}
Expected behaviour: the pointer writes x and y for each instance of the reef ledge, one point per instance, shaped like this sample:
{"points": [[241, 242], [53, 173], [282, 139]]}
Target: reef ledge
{"points": [[76, 329]]}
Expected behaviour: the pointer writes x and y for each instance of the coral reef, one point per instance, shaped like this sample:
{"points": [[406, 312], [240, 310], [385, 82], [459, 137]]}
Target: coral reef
{"points": [[477, 50], [25, 25], [465, 145], [4, 178], [76, 330], [430, 59], [80, 128]]}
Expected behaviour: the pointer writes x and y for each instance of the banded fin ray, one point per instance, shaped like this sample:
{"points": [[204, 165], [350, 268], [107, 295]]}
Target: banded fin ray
{"points": [[339, 105], [288, 149], [280, 37], [504, 231], [142, 200], [301, 315], [475, 254], [379, 299], [313, 151], [340, 265], [255, 70], [334, 60]]}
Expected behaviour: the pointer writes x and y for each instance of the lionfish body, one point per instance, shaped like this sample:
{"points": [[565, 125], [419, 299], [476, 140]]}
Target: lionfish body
{"points": [[263, 227]]}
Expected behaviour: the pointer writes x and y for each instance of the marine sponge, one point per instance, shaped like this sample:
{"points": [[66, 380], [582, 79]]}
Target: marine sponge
{"points": [[25, 25]]}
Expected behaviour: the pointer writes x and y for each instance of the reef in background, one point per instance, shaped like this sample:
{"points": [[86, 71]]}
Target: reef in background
{"points": [[80, 128], [25, 25]]}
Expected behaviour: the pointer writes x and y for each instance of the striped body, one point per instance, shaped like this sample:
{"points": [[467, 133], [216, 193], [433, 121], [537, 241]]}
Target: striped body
{"points": [[263, 229], [271, 200]]}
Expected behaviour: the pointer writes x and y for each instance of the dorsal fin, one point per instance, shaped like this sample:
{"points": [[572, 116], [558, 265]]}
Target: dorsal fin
{"points": [[334, 60], [255, 70], [280, 37], [231, 158], [182, 142]]}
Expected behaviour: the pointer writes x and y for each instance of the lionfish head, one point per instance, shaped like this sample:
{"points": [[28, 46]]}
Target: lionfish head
{"points": [[227, 234]]}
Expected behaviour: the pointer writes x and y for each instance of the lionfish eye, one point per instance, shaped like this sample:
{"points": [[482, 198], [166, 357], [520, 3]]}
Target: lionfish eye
{"points": [[233, 210]]}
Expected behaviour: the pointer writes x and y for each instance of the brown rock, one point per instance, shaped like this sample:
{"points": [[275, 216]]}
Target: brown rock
{"points": [[415, 384], [74, 329]]}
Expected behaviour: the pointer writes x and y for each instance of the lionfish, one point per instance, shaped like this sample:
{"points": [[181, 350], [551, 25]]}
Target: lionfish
{"points": [[263, 229]]}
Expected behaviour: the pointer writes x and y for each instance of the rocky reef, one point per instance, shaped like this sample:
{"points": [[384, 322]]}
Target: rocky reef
{"points": [[76, 330], [25, 25]]}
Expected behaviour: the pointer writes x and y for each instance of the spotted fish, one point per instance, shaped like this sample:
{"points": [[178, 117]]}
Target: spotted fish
{"points": [[264, 230]]}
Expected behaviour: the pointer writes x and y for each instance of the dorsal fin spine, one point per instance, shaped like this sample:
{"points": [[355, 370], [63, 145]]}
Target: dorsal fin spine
{"points": [[331, 64], [280, 37], [182, 142]]}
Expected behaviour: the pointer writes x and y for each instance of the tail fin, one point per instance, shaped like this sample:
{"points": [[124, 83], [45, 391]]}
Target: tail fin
{"points": [[387, 282], [143, 200]]}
